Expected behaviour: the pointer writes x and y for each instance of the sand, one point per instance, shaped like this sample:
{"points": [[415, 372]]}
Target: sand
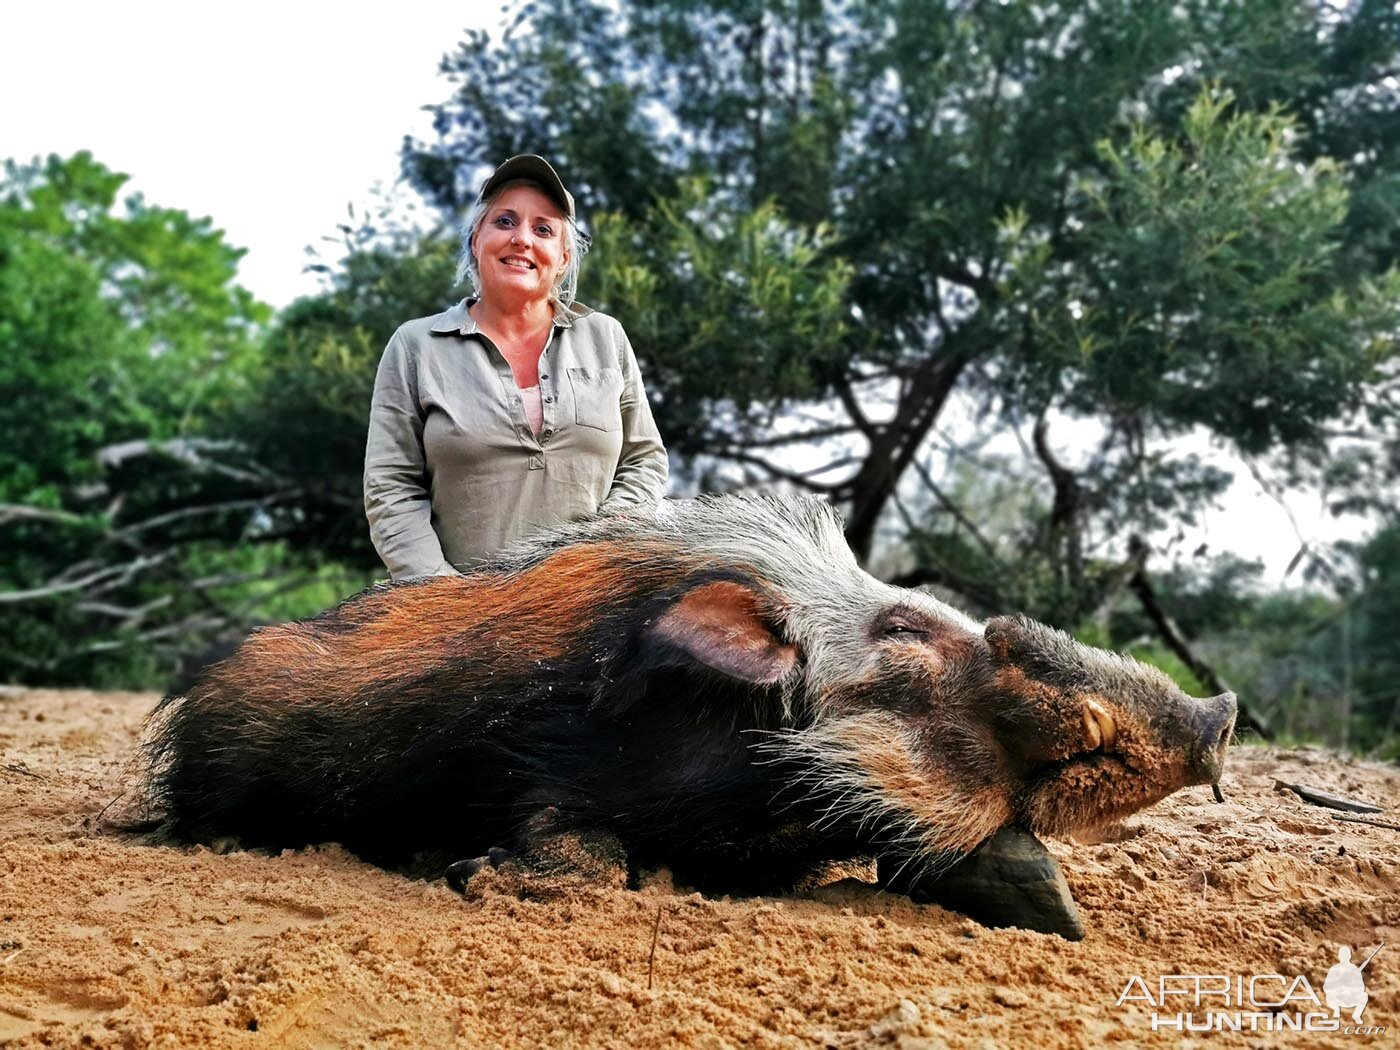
{"points": [[111, 939]]}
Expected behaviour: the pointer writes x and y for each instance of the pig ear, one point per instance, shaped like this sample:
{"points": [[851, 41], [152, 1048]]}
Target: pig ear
{"points": [[721, 625]]}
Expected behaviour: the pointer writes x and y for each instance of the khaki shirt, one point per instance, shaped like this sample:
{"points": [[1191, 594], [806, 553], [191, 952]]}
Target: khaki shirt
{"points": [[453, 472]]}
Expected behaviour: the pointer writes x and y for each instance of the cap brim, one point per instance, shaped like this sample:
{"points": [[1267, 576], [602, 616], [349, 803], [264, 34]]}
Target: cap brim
{"points": [[536, 169]]}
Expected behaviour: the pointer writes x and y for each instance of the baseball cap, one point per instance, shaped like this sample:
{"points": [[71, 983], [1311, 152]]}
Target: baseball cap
{"points": [[537, 170]]}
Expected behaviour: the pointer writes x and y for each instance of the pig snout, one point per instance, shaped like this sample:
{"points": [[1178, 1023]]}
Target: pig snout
{"points": [[1213, 724], [1095, 735]]}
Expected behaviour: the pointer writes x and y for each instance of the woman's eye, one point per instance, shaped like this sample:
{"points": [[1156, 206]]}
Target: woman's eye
{"points": [[504, 220], [544, 231]]}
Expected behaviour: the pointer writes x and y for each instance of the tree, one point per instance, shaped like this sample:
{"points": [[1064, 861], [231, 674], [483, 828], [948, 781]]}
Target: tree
{"points": [[1120, 212], [122, 335]]}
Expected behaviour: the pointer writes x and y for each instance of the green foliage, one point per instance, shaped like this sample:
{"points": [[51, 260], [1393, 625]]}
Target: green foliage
{"points": [[1371, 642], [1204, 599], [1236, 320], [1316, 666], [559, 84], [120, 324], [821, 223], [697, 280], [308, 407], [116, 323]]}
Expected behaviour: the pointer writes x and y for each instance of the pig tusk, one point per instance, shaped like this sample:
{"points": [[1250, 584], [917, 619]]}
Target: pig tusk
{"points": [[1091, 728], [1103, 731]]}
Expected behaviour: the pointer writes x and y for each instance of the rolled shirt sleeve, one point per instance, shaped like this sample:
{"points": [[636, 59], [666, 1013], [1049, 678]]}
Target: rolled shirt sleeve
{"points": [[398, 501], [642, 467]]}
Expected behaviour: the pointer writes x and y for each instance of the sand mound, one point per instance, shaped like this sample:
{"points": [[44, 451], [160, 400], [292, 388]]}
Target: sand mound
{"points": [[109, 940]]}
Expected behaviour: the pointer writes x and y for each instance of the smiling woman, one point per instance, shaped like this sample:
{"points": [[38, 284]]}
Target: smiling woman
{"points": [[515, 410]]}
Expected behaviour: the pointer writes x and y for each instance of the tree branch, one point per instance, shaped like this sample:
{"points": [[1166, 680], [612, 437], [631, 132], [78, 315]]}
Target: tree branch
{"points": [[957, 512], [53, 588], [847, 395], [21, 512], [190, 451], [194, 512], [780, 474], [816, 434], [1176, 641], [943, 577]]}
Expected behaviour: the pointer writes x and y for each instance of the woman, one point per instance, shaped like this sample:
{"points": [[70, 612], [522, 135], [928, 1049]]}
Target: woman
{"points": [[514, 410]]}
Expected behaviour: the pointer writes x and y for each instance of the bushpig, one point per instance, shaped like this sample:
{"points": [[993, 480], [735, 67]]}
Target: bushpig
{"points": [[718, 684]]}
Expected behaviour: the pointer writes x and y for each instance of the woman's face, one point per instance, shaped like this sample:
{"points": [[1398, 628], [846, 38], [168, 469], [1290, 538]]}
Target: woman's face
{"points": [[519, 247]]}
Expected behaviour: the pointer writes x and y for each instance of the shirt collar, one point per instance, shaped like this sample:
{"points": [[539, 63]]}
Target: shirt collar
{"points": [[458, 319]]}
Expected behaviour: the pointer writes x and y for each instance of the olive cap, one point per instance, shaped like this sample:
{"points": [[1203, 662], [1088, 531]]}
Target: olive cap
{"points": [[537, 170]]}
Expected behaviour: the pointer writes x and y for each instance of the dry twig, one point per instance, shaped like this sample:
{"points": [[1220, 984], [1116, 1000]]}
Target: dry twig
{"points": [[1367, 820], [651, 959]]}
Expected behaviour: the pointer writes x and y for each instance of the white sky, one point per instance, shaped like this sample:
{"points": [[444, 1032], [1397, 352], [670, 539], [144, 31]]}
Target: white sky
{"points": [[272, 117], [268, 117]]}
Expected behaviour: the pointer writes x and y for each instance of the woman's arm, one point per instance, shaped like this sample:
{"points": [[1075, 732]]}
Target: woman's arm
{"points": [[642, 468], [397, 502]]}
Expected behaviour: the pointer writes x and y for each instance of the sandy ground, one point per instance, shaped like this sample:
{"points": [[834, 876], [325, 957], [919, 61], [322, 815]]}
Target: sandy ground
{"points": [[107, 939]]}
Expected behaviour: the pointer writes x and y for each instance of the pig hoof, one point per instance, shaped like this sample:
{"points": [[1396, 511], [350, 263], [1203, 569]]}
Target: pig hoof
{"points": [[460, 872], [1009, 880], [497, 856]]}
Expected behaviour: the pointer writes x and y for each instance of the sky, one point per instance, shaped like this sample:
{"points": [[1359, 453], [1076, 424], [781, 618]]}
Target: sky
{"points": [[270, 118], [273, 118]]}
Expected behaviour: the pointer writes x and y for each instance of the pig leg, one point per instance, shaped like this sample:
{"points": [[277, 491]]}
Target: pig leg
{"points": [[1009, 880], [549, 851]]}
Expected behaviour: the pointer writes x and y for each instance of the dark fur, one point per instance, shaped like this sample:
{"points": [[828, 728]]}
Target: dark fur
{"points": [[663, 691], [658, 755]]}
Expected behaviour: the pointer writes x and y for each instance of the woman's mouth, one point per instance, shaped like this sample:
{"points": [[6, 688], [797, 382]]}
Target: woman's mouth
{"points": [[515, 262]]}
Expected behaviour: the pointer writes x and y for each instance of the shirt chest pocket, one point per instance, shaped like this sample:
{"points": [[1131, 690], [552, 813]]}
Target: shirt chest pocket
{"points": [[597, 397]]}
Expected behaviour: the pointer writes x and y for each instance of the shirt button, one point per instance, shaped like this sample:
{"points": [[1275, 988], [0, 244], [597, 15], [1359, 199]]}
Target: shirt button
{"points": [[543, 376], [549, 401], [548, 432]]}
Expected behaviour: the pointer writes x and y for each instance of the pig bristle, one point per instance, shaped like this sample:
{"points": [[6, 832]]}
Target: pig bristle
{"points": [[865, 771]]}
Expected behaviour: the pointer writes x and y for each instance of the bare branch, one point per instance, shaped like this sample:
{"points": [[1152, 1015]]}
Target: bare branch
{"points": [[119, 612], [847, 394], [191, 623], [943, 577], [778, 473], [952, 508], [797, 438], [1305, 546], [1112, 582], [1171, 634], [23, 512], [194, 512], [193, 452], [52, 589]]}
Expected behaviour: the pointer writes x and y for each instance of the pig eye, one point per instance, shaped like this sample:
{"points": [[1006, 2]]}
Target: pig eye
{"points": [[900, 629], [902, 622], [896, 630]]}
